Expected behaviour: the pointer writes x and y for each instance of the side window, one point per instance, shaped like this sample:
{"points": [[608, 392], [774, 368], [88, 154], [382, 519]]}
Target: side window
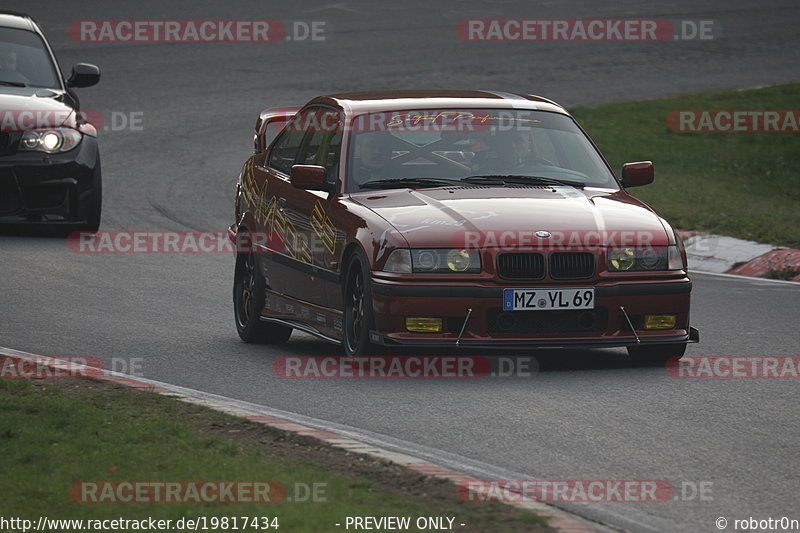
{"points": [[313, 152], [332, 161], [321, 145], [284, 151], [273, 129]]}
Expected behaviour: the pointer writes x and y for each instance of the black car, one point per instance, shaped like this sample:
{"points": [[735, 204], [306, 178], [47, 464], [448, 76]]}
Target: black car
{"points": [[49, 159]]}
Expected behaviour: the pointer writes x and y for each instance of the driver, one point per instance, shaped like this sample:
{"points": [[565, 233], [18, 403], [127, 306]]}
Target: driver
{"points": [[510, 151], [520, 144], [8, 68], [516, 149]]}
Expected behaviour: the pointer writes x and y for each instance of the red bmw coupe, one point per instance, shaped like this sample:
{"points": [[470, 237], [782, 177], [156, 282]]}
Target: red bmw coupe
{"points": [[439, 219]]}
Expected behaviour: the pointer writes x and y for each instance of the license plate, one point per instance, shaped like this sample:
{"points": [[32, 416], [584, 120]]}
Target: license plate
{"points": [[547, 299]]}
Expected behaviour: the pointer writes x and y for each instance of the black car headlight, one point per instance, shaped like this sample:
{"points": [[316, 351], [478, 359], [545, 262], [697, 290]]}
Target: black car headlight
{"points": [[434, 261], [52, 140], [644, 259]]}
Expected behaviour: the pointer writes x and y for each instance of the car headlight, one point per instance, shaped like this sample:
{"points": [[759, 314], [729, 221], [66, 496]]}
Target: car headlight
{"points": [[644, 259], [434, 261], [52, 141]]}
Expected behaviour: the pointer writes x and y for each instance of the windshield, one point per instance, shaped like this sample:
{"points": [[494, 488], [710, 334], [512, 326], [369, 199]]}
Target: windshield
{"points": [[410, 147], [24, 60]]}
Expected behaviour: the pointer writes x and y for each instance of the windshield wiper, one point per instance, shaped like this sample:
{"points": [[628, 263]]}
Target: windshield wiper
{"points": [[520, 178], [13, 83], [406, 182]]}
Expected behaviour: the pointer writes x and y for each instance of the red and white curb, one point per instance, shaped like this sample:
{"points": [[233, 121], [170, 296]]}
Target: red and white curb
{"points": [[558, 519], [721, 254], [780, 259]]}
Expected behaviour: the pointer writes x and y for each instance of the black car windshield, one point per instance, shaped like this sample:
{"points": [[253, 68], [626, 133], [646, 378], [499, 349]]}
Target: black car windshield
{"points": [[25, 61], [408, 147]]}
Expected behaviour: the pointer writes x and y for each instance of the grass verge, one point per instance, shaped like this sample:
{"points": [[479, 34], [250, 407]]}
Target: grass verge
{"points": [[745, 185], [56, 432]]}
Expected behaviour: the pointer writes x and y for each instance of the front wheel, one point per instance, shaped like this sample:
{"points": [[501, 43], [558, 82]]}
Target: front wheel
{"points": [[248, 301], [358, 314], [656, 354]]}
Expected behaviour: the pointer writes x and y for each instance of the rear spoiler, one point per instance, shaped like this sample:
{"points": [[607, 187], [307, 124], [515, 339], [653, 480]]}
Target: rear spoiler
{"points": [[270, 123]]}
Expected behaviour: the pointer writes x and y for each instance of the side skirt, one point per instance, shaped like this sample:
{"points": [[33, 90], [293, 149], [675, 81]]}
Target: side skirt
{"points": [[316, 320]]}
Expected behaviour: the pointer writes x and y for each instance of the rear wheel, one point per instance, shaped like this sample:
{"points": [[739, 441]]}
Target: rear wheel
{"points": [[248, 301], [358, 314], [656, 354]]}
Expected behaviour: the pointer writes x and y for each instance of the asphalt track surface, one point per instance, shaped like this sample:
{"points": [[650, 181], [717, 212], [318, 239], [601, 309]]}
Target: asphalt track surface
{"points": [[584, 415]]}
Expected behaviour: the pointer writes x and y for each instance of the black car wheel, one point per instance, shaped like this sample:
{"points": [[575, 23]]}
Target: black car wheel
{"points": [[248, 301], [656, 354], [358, 313]]}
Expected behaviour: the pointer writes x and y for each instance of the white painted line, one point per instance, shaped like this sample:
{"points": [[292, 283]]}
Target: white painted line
{"points": [[367, 442]]}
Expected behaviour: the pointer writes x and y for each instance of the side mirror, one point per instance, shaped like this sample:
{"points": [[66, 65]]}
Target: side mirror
{"points": [[637, 174], [83, 75], [309, 177]]}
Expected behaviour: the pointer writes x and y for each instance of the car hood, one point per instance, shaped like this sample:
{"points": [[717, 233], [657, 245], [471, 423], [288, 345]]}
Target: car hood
{"points": [[23, 108], [510, 216]]}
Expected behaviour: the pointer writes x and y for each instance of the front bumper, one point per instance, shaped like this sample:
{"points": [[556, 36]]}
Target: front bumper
{"points": [[38, 188], [491, 327]]}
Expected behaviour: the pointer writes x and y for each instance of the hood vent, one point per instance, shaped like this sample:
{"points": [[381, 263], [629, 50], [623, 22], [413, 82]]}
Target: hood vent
{"points": [[508, 185], [465, 187]]}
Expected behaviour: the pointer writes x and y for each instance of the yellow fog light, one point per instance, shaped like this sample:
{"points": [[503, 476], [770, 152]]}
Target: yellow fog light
{"points": [[424, 325], [660, 321]]}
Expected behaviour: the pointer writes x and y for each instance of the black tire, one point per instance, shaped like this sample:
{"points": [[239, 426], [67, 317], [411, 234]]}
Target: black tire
{"points": [[359, 316], [656, 354], [94, 204], [248, 301]]}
